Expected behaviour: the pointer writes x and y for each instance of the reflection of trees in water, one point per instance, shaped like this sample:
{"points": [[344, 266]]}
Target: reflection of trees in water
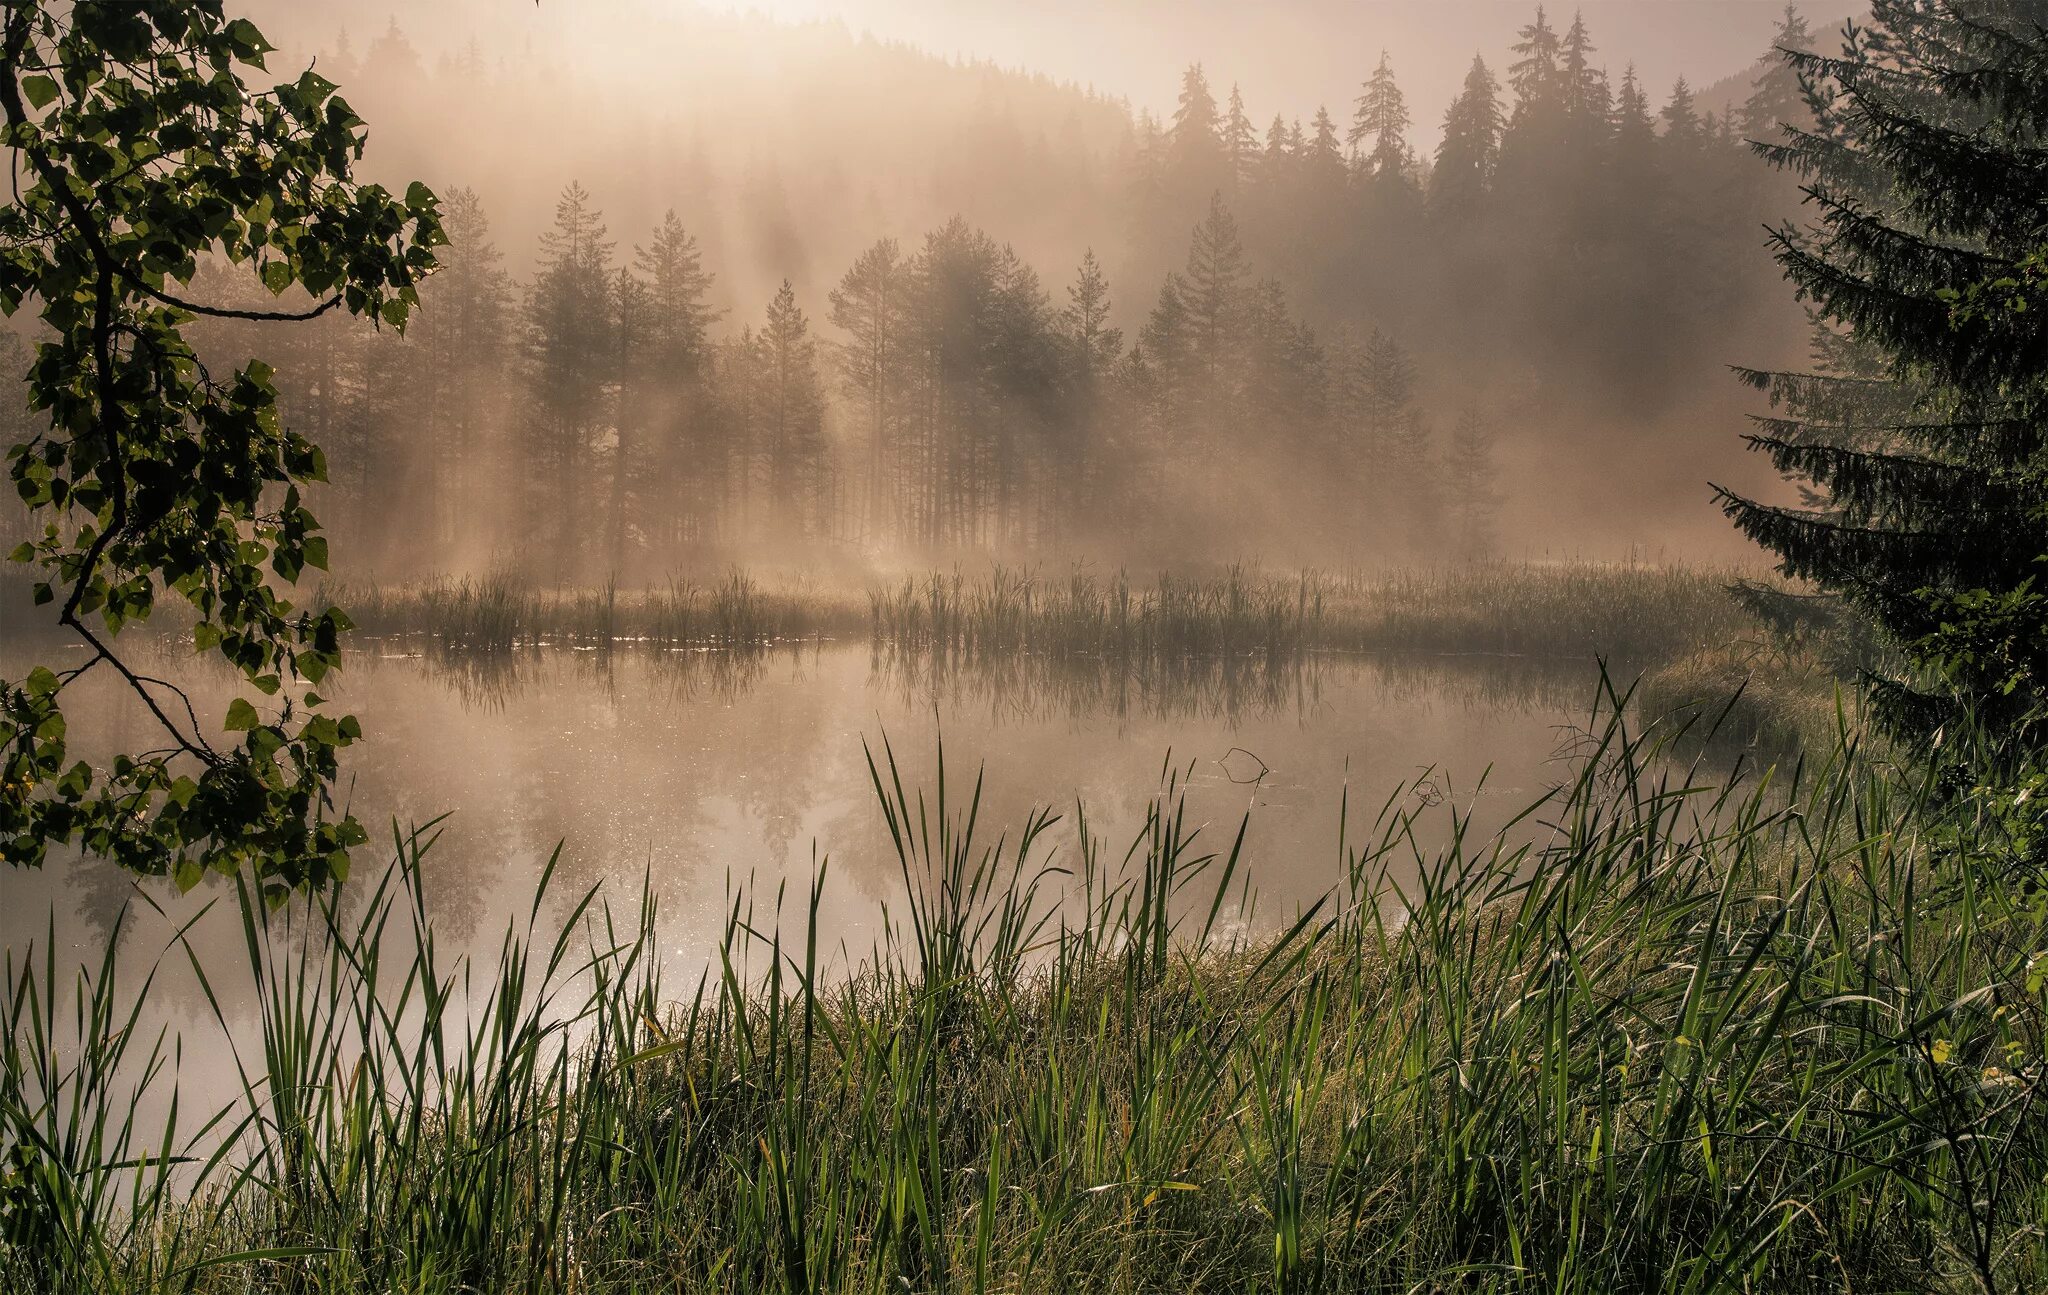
{"points": [[1029, 688], [1025, 687], [1032, 688], [630, 758], [1484, 680], [99, 891], [489, 681], [601, 747]]}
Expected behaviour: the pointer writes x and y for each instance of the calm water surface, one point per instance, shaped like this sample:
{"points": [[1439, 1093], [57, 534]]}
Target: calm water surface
{"points": [[702, 772]]}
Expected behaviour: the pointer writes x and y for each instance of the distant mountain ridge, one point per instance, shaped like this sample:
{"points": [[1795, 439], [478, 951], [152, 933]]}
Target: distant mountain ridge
{"points": [[1731, 91]]}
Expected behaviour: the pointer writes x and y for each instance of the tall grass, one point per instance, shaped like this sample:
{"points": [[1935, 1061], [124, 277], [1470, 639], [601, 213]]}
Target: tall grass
{"points": [[1662, 1032]]}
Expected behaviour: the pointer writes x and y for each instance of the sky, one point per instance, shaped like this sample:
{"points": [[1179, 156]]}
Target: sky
{"points": [[1289, 56], [1292, 55]]}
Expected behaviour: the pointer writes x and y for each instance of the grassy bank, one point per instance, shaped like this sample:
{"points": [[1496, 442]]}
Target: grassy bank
{"points": [[1664, 1033]]}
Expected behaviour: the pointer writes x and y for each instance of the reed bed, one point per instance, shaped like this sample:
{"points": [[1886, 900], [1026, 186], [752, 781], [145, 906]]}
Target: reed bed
{"points": [[1237, 614], [1664, 1032], [498, 613], [1626, 613], [1633, 614]]}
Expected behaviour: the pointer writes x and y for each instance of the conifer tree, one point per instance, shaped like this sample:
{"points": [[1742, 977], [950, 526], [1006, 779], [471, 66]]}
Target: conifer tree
{"points": [[1382, 118], [1533, 145], [1093, 350], [682, 444], [466, 324], [1196, 129], [1195, 148], [1588, 103], [1214, 291], [1170, 363], [1776, 97], [1085, 322], [1284, 379], [1535, 76], [792, 420], [570, 363], [1470, 149], [632, 400], [1389, 394], [1322, 157], [1240, 144], [869, 307], [1684, 133], [1929, 510], [679, 292], [1635, 131], [1471, 480], [1584, 86]]}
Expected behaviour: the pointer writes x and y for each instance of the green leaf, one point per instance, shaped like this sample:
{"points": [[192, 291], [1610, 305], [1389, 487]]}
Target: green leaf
{"points": [[241, 716], [40, 91], [41, 682], [249, 42], [277, 276]]}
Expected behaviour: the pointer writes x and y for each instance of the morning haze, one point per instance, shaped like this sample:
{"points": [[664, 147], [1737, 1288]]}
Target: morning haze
{"points": [[838, 646], [788, 142]]}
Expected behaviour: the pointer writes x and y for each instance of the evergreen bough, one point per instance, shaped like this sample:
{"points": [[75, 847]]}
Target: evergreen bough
{"points": [[1918, 439]]}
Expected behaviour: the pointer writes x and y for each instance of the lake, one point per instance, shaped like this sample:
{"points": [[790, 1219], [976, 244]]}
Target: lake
{"points": [[702, 772]]}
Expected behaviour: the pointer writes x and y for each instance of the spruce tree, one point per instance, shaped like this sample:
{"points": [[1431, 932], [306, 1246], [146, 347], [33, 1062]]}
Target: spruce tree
{"points": [[1197, 164], [1538, 82], [684, 455], [1214, 294], [1928, 512], [1776, 97], [1275, 157], [1240, 144], [1382, 118], [1583, 86], [1470, 150], [1684, 133]]}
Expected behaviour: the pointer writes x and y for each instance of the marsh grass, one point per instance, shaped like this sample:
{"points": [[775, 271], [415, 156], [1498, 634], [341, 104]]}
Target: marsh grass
{"points": [[1632, 614], [1662, 1032], [1625, 612], [1771, 703], [498, 613]]}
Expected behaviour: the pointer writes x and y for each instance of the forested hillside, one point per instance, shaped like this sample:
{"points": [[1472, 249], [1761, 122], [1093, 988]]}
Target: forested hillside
{"points": [[986, 312]]}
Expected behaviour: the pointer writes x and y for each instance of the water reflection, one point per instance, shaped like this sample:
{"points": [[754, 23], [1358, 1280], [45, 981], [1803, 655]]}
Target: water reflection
{"points": [[705, 771]]}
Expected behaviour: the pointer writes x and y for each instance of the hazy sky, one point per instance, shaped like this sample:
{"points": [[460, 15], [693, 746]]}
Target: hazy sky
{"points": [[1289, 55]]}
